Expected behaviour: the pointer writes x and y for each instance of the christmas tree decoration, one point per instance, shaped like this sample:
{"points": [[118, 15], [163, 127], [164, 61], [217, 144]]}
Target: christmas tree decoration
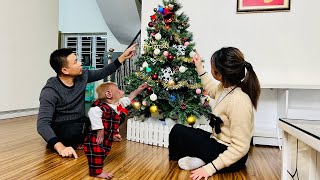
{"points": [[170, 6], [181, 50], [144, 103], [167, 74], [154, 109], [166, 11], [145, 64], [153, 17], [198, 91], [154, 76], [160, 9], [153, 97], [170, 57], [173, 97], [136, 105], [191, 120], [182, 69], [156, 51], [155, 9], [183, 106], [166, 65], [171, 82], [192, 53], [158, 36], [148, 69], [149, 89]]}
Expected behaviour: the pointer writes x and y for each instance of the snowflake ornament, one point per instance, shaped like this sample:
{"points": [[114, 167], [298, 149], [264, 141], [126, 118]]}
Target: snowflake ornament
{"points": [[181, 49], [167, 74]]}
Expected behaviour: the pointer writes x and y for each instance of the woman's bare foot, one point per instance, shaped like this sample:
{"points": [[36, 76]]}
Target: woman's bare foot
{"points": [[105, 175]]}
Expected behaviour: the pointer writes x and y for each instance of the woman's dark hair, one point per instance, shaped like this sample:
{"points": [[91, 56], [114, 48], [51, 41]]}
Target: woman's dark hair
{"points": [[58, 59], [230, 63]]}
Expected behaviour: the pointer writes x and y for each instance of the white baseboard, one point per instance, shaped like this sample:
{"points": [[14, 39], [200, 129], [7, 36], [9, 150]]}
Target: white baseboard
{"points": [[270, 141], [18, 113]]}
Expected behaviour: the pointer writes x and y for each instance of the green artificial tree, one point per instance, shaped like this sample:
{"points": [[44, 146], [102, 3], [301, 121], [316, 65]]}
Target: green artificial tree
{"points": [[174, 87]]}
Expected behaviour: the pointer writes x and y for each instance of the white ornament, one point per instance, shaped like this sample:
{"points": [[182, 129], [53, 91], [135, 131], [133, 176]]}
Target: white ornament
{"points": [[182, 69], [153, 97], [158, 36], [192, 53], [156, 51], [145, 64], [141, 68]]}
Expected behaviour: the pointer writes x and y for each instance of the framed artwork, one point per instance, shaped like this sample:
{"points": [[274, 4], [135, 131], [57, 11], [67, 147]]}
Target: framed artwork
{"points": [[262, 5]]}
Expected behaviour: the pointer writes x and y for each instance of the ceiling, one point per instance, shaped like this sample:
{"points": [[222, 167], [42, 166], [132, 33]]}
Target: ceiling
{"points": [[122, 18]]}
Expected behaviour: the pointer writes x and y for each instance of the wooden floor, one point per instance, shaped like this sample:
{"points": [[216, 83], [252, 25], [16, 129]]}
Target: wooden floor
{"points": [[23, 155]]}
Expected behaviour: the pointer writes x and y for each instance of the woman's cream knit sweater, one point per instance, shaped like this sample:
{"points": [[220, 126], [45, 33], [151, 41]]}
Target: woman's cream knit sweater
{"points": [[237, 114]]}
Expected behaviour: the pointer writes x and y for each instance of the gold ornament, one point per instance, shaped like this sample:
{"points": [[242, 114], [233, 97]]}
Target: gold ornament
{"points": [[191, 120], [154, 109], [171, 83], [136, 105]]}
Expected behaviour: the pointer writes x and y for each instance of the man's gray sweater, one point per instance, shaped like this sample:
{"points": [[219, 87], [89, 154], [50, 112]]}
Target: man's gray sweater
{"points": [[60, 103]]}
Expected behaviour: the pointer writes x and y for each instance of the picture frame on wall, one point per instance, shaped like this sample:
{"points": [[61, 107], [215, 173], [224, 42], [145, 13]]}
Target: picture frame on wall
{"points": [[262, 5]]}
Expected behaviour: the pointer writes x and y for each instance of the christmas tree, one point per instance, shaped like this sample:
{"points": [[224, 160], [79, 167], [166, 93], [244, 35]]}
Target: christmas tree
{"points": [[174, 87]]}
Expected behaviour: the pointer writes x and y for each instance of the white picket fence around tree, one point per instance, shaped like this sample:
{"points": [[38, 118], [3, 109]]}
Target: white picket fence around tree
{"points": [[152, 133]]}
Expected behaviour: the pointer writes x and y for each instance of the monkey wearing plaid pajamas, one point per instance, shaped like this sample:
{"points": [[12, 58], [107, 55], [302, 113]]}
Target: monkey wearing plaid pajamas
{"points": [[104, 116]]}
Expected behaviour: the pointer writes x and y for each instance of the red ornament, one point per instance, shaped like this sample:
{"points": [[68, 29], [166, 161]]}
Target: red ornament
{"points": [[168, 18], [154, 76], [167, 27], [166, 11], [170, 57], [153, 17], [150, 24], [149, 90]]}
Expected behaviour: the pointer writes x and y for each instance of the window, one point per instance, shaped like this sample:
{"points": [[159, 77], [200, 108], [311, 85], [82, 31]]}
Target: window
{"points": [[90, 48]]}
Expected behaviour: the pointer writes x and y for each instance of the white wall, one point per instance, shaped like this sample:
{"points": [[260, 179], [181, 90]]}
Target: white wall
{"points": [[83, 16], [28, 33], [283, 47]]}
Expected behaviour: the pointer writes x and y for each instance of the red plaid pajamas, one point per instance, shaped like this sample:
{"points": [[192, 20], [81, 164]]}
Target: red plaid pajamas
{"points": [[96, 153]]}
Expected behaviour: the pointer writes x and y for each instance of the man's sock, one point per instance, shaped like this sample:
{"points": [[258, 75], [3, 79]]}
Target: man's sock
{"points": [[189, 163]]}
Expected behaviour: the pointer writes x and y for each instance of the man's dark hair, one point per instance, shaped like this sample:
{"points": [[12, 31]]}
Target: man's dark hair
{"points": [[58, 59]]}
